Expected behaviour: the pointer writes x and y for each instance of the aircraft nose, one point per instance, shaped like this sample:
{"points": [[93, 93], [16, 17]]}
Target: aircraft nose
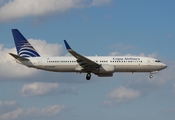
{"points": [[164, 66]]}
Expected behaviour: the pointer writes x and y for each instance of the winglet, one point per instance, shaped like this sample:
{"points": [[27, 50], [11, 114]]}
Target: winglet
{"points": [[67, 45]]}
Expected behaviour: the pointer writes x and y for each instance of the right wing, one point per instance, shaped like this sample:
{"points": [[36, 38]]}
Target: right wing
{"points": [[84, 62]]}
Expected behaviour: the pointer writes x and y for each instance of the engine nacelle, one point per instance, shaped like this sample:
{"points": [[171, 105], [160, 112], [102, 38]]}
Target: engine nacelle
{"points": [[106, 69]]}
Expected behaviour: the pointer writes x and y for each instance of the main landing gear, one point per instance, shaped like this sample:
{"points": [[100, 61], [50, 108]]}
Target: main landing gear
{"points": [[88, 76]]}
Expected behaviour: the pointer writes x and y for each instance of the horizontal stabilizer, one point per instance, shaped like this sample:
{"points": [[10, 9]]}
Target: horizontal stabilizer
{"points": [[18, 57]]}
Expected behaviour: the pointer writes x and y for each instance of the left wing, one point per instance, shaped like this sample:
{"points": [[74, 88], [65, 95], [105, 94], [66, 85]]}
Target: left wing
{"points": [[84, 62]]}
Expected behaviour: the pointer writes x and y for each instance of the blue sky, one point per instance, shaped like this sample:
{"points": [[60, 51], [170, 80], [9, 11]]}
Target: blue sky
{"points": [[92, 27]]}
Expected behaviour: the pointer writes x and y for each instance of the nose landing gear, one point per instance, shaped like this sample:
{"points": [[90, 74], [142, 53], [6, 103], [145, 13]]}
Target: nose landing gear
{"points": [[150, 76], [88, 76]]}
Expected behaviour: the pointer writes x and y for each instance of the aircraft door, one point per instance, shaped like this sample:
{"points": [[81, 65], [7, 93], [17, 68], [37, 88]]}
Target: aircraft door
{"points": [[149, 62], [39, 62]]}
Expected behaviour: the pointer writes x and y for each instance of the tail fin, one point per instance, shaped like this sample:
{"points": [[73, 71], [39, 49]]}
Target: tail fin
{"points": [[23, 47]]}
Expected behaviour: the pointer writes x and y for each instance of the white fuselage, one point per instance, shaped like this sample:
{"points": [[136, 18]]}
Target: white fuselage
{"points": [[120, 63], [103, 66]]}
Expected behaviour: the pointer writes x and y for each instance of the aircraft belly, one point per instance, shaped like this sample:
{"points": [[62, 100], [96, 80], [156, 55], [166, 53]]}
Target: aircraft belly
{"points": [[59, 68], [135, 68]]}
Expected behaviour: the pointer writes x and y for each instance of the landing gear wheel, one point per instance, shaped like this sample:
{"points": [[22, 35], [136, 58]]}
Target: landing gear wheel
{"points": [[88, 76], [151, 76]]}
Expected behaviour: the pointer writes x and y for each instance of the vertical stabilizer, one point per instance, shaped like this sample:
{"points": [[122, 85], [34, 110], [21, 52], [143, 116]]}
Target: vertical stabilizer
{"points": [[23, 47]]}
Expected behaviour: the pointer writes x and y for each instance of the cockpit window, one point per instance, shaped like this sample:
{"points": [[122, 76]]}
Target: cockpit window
{"points": [[157, 61]]}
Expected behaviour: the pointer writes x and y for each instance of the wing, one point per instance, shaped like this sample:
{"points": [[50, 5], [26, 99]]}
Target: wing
{"points": [[84, 62]]}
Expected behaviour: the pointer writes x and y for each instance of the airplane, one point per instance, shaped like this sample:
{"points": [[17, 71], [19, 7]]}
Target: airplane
{"points": [[102, 66]]}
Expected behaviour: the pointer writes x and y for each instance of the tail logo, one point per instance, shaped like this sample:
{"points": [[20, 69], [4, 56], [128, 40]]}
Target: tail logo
{"points": [[23, 47], [26, 50]]}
